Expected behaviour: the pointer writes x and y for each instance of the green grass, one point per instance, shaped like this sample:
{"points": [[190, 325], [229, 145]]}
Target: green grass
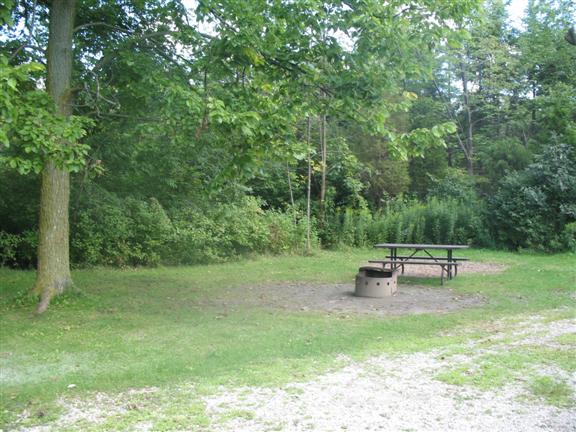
{"points": [[153, 327], [501, 367], [567, 339], [555, 392]]}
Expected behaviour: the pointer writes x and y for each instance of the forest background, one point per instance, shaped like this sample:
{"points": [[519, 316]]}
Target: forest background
{"points": [[239, 127]]}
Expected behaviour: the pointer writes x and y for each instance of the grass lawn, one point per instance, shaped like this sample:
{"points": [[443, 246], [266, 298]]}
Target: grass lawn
{"points": [[153, 327]]}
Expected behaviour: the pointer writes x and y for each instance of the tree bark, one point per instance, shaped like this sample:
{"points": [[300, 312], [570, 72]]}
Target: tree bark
{"points": [[308, 187], [469, 136], [291, 192], [53, 275], [324, 153]]}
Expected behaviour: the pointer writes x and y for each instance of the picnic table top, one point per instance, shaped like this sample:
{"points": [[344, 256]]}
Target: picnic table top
{"points": [[419, 246]]}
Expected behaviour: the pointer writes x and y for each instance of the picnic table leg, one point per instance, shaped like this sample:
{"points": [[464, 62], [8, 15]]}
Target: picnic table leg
{"points": [[449, 269], [441, 275], [396, 259]]}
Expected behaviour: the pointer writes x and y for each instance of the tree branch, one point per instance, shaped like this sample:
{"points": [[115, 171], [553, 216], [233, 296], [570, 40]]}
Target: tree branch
{"points": [[102, 24], [453, 117]]}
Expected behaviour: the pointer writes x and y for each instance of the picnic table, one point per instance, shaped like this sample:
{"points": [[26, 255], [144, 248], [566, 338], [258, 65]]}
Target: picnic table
{"points": [[447, 263]]}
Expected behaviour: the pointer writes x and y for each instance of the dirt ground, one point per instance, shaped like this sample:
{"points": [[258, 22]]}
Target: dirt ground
{"points": [[339, 297]]}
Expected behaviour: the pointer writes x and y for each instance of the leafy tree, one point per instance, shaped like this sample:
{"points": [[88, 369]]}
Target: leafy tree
{"points": [[548, 64], [476, 79], [427, 111], [50, 133], [533, 207]]}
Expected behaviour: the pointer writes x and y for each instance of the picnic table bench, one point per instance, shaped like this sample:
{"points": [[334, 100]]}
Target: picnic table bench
{"points": [[448, 264]]}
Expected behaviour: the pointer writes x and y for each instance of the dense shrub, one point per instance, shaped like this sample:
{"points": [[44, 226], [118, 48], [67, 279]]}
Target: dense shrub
{"points": [[18, 250], [110, 231], [287, 232], [434, 221], [133, 232], [535, 208], [216, 233], [116, 232], [569, 236], [349, 227], [226, 231]]}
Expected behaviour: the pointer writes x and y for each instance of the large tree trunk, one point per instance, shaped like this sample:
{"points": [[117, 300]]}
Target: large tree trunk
{"points": [[53, 275]]}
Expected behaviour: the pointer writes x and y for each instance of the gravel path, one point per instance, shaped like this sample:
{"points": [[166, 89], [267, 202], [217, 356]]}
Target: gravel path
{"points": [[386, 395], [383, 393], [399, 394]]}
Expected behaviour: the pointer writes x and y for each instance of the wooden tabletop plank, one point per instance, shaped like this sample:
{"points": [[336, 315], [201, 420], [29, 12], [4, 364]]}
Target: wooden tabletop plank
{"points": [[419, 246]]}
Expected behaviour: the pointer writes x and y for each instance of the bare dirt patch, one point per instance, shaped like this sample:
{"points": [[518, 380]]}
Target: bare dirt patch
{"points": [[339, 297]]}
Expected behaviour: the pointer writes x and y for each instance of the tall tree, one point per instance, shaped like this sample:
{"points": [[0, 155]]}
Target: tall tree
{"points": [[478, 80], [308, 186], [548, 65], [53, 275], [323, 165], [43, 134]]}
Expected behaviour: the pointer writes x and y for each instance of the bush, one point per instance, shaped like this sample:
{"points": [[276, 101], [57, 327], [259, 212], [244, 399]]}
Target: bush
{"points": [[536, 207], [120, 232], [347, 227], [18, 250], [217, 233], [133, 232], [569, 237], [287, 232], [8, 245], [435, 221], [226, 231]]}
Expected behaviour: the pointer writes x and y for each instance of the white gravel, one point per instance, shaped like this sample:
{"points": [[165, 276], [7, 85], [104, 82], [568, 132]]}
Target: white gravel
{"points": [[398, 394], [384, 393]]}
